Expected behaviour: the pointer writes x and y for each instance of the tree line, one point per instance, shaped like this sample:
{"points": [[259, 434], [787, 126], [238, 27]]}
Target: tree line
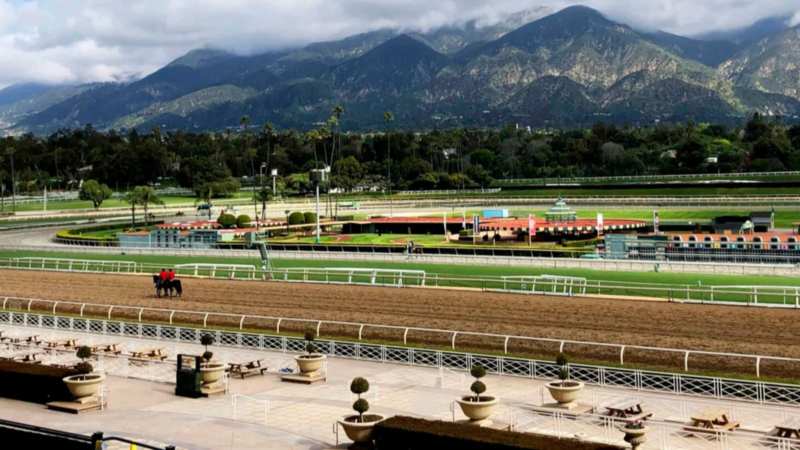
{"points": [[217, 164]]}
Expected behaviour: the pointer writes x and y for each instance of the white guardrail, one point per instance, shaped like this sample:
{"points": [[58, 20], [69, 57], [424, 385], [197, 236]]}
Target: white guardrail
{"points": [[358, 329], [641, 380], [763, 296]]}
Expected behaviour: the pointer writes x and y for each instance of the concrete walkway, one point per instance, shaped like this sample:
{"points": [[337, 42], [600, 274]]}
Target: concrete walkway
{"points": [[272, 414]]}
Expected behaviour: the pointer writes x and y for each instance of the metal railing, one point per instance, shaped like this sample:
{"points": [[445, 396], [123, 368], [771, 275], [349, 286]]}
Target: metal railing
{"points": [[641, 380], [763, 296], [356, 330], [633, 178]]}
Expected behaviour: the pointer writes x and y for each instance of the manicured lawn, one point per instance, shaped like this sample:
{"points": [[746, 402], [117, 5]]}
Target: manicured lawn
{"points": [[448, 270]]}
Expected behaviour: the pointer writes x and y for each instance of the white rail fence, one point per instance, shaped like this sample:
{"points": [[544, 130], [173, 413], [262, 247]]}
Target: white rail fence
{"points": [[357, 330], [641, 380], [766, 296]]}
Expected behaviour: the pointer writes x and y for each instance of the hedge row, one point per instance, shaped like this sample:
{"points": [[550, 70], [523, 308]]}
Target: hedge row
{"points": [[408, 433], [33, 383]]}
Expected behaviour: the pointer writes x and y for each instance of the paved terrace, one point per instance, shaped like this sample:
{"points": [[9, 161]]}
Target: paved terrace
{"points": [[262, 412]]}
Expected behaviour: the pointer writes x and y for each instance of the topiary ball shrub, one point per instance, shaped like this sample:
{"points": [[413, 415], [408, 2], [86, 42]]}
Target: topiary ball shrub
{"points": [[297, 218], [309, 335], [478, 387], [477, 372], [310, 217], [206, 340], [359, 386], [83, 352], [227, 220], [243, 221], [361, 406], [84, 368], [561, 359], [207, 355]]}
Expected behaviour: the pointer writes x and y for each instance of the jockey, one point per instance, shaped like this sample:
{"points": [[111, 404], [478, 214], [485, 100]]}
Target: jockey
{"points": [[171, 275], [163, 276]]}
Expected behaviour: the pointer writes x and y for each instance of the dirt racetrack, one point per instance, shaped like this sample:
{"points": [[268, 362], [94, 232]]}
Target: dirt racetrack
{"points": [[761, 331]]}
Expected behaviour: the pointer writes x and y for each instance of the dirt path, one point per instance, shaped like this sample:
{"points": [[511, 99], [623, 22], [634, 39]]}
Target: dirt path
{"points": [[717, 328]]}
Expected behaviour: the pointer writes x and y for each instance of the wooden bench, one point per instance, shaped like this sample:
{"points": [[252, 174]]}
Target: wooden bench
{"points": [[246, 369]]}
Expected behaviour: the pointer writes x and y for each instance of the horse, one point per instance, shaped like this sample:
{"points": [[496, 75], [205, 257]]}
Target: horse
{"points": [[170, 288]]}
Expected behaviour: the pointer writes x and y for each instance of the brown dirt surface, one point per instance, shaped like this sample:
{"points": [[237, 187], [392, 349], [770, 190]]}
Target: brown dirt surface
{"points": [[761, 331]]}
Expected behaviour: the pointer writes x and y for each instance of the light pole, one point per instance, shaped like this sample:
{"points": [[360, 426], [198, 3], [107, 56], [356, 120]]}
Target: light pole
{"points": [[319, 176], [263, 202], [287, 221], [274, 187]]}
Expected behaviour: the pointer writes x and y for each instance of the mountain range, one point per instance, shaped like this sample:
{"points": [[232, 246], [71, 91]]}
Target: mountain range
{"points": [[570, 68]]}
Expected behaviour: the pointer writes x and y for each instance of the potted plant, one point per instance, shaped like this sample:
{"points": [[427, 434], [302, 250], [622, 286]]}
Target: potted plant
{"points": [[564, 390], [211, 371], [358, 427], [635, 433], [477, 407], [311, 362], [86, 384]]}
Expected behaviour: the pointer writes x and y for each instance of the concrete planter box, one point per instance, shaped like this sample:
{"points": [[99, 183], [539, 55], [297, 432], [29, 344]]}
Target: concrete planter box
{"points": [[309, 364], [82, 386], [360, 432], [212, 372], [480, 410], [565, 392]]}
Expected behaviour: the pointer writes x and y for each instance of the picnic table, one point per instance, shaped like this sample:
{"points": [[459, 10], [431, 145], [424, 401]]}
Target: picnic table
{"points": [[712, 420], [248, 368], [107, 348], [789, 428], [629, 409], [32, 358], [150, 353], [33, 339], [66, 343]]}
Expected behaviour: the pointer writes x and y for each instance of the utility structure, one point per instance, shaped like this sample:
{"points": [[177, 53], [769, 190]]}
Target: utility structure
{"points": [[318, 177]]}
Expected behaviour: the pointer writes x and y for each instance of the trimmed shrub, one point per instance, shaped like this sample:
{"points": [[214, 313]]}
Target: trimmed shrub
{"points": [[310, 217], [84, 368], [243, 221], [34, 383], [309, 336], [207, 355], [297, 218], [407, 433], [359, 386], [226, 220]]}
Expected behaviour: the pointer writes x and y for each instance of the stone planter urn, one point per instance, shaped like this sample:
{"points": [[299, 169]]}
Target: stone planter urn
{"points": [[360, 432], [480, 410], [211, 372], [565, 392], [310, 364], [634, 435], [84, 387]]}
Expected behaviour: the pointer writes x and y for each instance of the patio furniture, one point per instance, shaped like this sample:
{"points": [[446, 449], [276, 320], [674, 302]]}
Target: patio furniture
{"points": [[66, 343], [711, 420], [156, 354], [31, 358], [245, 369], [628, 409], [109, 349], [789, 428]]}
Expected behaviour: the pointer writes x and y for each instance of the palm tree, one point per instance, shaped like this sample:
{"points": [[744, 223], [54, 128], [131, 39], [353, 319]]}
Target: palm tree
{"points": [[132, 198], [263, 195], [147, 196]]}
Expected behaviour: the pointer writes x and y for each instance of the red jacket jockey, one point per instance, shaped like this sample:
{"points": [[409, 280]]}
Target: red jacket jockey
{"points": [[163, 276]]}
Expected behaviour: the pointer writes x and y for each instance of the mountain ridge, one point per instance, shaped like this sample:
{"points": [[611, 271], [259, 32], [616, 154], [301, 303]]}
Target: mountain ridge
{"points": [[569, 68]]}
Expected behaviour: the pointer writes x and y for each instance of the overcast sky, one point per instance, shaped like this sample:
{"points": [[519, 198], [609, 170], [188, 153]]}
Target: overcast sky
{"points": [[70, 41]]}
